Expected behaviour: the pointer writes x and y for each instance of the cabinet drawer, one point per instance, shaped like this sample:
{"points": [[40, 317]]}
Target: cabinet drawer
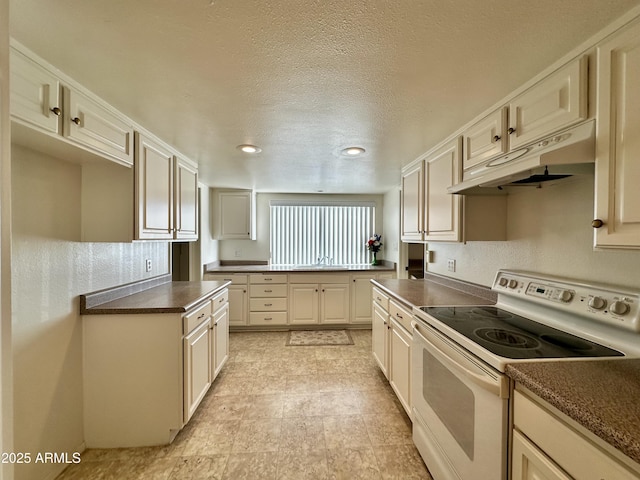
{"points": [[568, 448], [220, 300], [194, 318], [234, 278], [267, 304], [264, 278], [264, 318], [400, 314], [278, 290], [381, 298]]}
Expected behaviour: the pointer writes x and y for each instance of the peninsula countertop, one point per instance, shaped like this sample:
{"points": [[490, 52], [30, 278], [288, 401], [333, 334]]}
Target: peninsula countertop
{"points": [[600, 395], [167, 297]]}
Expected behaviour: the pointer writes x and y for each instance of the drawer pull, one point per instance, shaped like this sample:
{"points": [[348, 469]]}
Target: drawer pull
{"points": [[221, 300], [399, 316], [268, 318], [268, 291], [268, 304], [202, 315], [268, 279]]}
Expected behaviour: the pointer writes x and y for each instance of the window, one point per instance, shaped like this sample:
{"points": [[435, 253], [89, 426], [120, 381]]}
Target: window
{"points": [[305, 234]]}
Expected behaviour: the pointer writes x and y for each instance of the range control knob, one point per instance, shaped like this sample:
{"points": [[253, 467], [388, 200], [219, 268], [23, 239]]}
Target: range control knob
{"points": [[565, 295], [513, 283], [619, 308], [503, 282], [597, 303]]}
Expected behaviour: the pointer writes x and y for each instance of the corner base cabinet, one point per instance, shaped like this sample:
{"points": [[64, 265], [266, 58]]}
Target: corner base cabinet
{"points": [[146, 374]]}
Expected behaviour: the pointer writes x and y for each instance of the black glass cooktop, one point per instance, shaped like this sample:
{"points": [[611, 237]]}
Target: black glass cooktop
{"points": [[513, 336]]}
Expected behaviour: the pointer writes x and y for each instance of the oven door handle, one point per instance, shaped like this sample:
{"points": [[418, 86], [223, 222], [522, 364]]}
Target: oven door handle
{"points": [[497, 385]]}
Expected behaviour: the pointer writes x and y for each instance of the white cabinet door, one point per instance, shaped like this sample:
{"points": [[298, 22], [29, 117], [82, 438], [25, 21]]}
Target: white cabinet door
{"points": [[334, 305], [487, 138], [197, 367], [530, 463], [412, 203], [186, 200], [557, 102], [303, 303], [400, 364], [361, 292], [238, 305], [442, 209], [235, 215], [89, 124], [220, 340], [154, 190], [617, 199], [35, 95], [380, 338]]}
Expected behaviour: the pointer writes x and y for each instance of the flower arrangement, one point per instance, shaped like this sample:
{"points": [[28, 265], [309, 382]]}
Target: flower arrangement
{"points": [[374, 243]]}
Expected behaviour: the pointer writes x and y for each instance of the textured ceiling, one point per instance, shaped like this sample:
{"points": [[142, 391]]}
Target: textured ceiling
{"points": [[304, 79]]}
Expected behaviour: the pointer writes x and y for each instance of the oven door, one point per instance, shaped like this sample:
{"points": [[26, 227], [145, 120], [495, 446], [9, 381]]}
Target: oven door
{"points": [[460, 409]]}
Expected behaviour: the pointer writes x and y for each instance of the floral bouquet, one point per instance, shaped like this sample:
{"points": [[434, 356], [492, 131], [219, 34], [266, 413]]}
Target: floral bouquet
{"points": [[373, 245]]}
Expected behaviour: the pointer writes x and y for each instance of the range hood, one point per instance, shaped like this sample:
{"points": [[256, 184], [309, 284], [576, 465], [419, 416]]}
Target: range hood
{"points": [[561, 155]]}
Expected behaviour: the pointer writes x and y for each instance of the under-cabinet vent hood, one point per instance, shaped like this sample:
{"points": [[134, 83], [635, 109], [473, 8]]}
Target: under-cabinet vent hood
{"points": [[561, 155]]}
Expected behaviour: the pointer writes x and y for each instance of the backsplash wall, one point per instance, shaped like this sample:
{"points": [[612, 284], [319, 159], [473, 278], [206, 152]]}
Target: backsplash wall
{"points": [[549, 231]]}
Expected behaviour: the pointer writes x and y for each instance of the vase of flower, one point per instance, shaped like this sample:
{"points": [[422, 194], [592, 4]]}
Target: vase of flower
{"points": [[373, 245]]}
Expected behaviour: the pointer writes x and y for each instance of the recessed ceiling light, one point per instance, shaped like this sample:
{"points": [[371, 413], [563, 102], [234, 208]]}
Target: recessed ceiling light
{"points": [[353, 151], [249, 148]]}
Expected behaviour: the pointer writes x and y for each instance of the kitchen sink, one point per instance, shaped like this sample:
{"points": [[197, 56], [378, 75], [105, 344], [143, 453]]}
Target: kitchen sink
{"points": [[320, 267]]}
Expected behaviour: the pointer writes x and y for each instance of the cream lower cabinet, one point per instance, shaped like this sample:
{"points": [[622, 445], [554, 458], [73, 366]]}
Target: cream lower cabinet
{"points": [[400, 352], [546, 447], [268, 299], [312, 302], [360, 292], [380, 330], [144, 375], [238, 296], [617, 196]]}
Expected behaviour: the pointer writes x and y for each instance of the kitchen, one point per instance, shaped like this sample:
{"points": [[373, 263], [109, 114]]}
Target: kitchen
{"points": [[549, 230]]}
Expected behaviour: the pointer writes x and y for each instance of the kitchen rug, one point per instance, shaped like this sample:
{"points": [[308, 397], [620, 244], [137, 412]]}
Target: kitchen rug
{"points": [[319, 337]]}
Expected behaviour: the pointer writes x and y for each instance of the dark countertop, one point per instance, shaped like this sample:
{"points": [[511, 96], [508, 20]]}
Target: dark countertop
{"points": [[601, 395], [168, 297], [298, 269], [429, 292]]}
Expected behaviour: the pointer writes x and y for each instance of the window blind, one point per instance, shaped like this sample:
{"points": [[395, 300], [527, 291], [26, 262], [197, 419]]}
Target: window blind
{"points": [[307, 234]]}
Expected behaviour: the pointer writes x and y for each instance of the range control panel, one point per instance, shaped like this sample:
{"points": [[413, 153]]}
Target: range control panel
{"points": [[603, 303]]}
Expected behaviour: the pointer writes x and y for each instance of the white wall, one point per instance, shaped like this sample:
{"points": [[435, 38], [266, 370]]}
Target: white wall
{"points": [[49, 270], [549, 231], [391, 234], [259, 249]]}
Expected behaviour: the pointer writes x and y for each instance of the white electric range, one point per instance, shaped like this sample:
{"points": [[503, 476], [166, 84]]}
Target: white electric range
{"points": [[460, 394]]}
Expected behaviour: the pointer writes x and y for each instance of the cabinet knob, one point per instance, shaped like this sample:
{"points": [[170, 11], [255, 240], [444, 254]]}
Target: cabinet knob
{"points": [[56, 111], [496, 138], [511, 130], [76, 120], [597, 223]]}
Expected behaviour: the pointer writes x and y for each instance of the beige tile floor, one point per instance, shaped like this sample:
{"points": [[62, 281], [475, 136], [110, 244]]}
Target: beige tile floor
{"points": [[280, 412]]}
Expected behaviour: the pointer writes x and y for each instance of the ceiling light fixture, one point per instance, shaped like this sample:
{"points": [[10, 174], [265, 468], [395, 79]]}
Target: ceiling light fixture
{"points": [[249, 148], [353, 151]]}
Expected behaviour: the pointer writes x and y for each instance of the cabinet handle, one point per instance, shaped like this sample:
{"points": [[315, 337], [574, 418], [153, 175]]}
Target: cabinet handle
{"points": [[511, 130], [268, 291], [496, 138], [200, 316], [597, 223], [56, 111], [221, 300], [268, 279], [268, 318], [76, 120], [268, 304], [399, 316]]}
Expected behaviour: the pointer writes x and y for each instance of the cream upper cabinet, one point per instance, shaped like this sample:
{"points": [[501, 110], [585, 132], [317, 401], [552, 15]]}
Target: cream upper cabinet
{"points": [[35, 94], [234, 215], [87, 122], [617, 197], [556, 102], [186, 199], [442, 209], [487, 138], [46, 103], [154, 190], [412, 204]]}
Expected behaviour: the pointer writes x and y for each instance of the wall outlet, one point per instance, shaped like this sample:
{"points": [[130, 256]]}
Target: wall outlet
{"points": [[451, 265], [238, 253], [147, 264]]}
